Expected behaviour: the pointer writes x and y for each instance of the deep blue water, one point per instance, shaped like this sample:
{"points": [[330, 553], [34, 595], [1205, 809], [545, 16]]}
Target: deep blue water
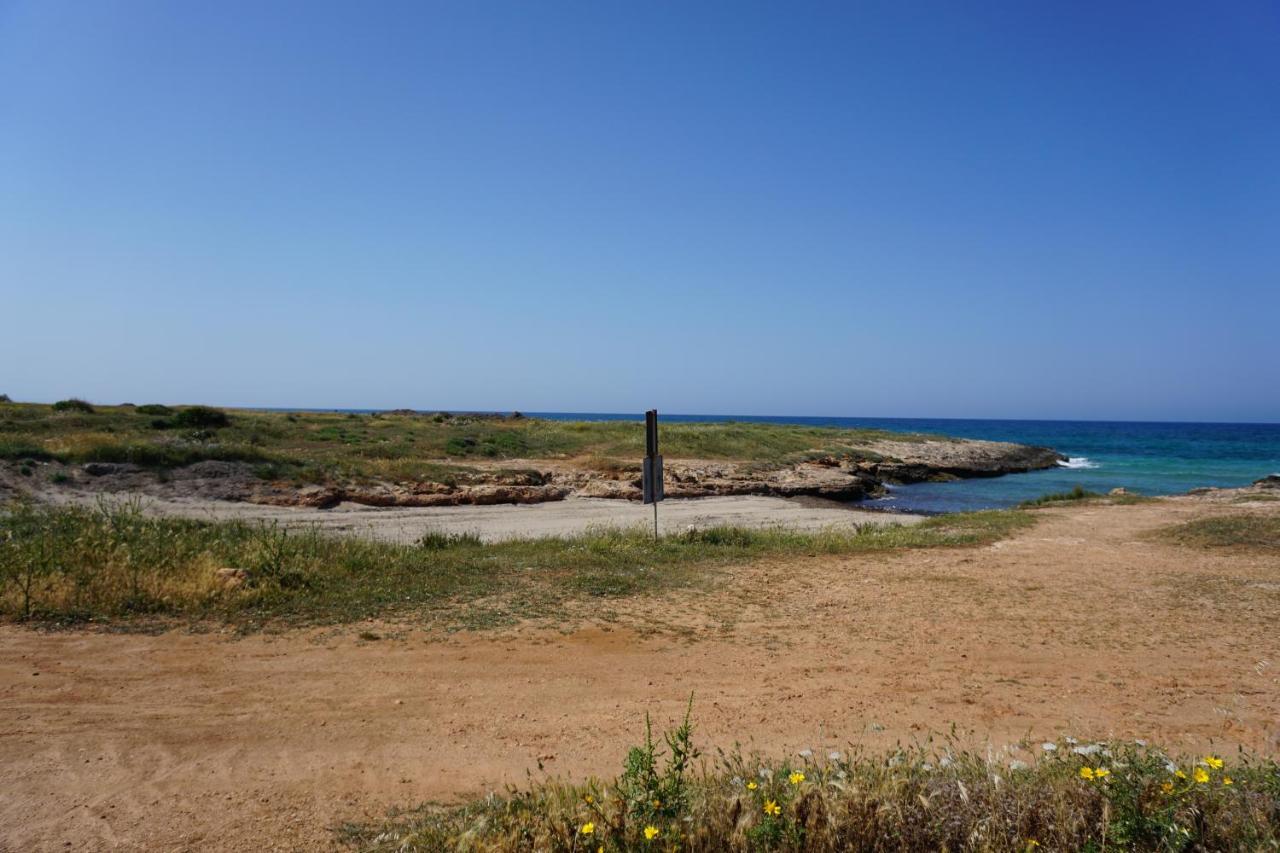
{"points": [[1150, 458]]}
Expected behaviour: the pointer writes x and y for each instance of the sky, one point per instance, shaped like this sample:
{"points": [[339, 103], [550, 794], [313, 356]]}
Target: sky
{"points": [[1002, 209]]}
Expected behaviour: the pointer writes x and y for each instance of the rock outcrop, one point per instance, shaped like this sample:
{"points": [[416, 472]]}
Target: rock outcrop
{"points": [[857, 475]]}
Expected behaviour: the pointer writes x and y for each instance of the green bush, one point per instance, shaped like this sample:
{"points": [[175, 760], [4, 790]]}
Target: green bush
{"points": [[201, 417], [73, 405], [154, 409]]}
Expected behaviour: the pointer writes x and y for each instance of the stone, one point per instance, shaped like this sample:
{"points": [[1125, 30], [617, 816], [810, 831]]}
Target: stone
{"points": [[232, 578], [1118, 491]]}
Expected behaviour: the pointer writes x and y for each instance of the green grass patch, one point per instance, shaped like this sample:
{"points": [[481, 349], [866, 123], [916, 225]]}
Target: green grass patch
{"points": [[1079, 493], [114, 563], [1121, 796], [1231, 531], [328, 446]]}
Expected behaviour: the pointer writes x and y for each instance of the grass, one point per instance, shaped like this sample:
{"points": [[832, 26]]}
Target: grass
{"points": [[323, 447], [1079, 493], [114, 564], [1229, 531], [1120, 796]]}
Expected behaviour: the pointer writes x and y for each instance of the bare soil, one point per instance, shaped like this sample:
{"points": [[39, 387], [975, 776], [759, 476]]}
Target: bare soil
{"points": [[1086, 625]]}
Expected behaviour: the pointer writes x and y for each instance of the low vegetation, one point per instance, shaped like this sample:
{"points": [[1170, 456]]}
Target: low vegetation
{"points": [[403, 446], [1079, 493], [1057, 796], [1261, 532], [73, 405], [115, 563]]}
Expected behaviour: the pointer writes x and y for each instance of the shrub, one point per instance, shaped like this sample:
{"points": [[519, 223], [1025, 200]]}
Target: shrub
{"points": [[154, 409], [201, 417], [73, 405], [4, 398]]}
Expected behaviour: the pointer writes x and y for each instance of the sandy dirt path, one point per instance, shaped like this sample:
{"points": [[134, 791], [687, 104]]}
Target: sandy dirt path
{"points": [[1083, 625], [510, 521]]}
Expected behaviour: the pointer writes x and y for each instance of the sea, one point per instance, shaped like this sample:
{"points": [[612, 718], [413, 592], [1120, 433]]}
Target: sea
{"points": [[1148, 458]]}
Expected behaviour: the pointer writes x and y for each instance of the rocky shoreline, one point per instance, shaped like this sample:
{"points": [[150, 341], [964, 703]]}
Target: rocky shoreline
{"points": [[849, 477]]}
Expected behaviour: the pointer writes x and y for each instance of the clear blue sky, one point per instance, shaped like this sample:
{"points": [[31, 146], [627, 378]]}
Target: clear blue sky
{"points": [[899, 209]]}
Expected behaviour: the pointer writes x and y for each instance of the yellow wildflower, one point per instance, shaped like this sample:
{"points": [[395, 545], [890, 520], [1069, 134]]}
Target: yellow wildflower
{"points": [[588, 828], [1101, 773], [1200, 775], [772, 808], [650, 833], [1179, 774], [1212, 761], [1226, 780], [1167, 787], [751, 786], [796, 777], [1086, 772], [590, 799]]}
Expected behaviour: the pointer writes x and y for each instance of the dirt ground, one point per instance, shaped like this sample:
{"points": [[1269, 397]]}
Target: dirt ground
{"points": [[1081, 626]]}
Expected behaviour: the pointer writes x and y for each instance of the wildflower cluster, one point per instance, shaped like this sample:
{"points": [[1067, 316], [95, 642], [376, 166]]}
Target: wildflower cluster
{"points": [[1060, 796]]}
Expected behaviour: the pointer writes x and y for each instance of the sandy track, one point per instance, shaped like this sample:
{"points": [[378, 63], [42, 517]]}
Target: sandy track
{"points": [[1082, 625], [508, 521]]}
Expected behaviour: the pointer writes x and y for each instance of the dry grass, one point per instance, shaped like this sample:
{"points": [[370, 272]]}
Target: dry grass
{"points": [[71, 564]]}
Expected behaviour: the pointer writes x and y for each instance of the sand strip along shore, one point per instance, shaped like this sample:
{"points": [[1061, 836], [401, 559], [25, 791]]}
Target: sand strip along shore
{"points": [[511, 521]]}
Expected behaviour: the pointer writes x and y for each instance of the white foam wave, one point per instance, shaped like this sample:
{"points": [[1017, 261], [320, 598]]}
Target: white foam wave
{"points": [[1078, 462]]}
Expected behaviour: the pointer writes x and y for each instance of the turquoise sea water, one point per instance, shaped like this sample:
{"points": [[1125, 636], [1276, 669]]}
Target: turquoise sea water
{"points": [[1151, 458]]}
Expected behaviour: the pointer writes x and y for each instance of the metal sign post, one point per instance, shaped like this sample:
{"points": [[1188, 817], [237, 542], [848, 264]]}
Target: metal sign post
{"points": [[652, 479]]}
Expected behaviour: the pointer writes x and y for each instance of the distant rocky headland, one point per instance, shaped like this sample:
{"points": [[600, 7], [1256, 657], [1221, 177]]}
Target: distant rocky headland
{"points": [[411, 459]]}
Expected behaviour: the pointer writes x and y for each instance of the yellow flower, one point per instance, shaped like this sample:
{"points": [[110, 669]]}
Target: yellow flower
{"points": [[772, 808], [589, 799], [1200, 775], [1226, 780], [1101, 773], [588, 828], [1212, 761], [751, 786], [1167, 787], [1179, 774], [650, 833], [1086, 772], [796, 777]]}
